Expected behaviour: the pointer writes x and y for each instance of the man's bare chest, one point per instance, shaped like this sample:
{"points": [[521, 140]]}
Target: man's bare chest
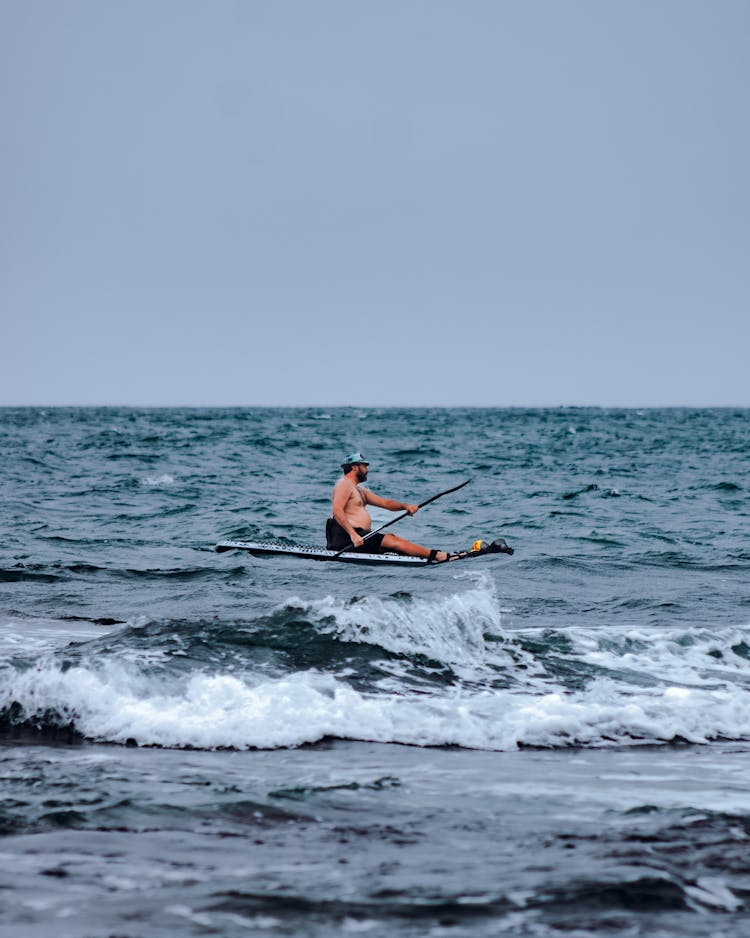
{"points": [[357, 498]]}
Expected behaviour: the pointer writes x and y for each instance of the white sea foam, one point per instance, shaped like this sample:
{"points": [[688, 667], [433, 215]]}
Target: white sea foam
{"points": [[158, 481], [695, 657], [29, 638], [111, 702], [652, 685], [452, 629]]}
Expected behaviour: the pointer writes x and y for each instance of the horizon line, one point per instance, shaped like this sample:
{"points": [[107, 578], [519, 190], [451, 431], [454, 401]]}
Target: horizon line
{"points": [[369, 406]]}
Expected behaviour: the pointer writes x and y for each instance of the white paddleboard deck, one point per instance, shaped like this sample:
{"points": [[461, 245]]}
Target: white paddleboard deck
{"points": [[273, 549]]}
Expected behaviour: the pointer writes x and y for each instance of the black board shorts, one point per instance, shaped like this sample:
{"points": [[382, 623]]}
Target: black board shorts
{"points": [[338, 539]]}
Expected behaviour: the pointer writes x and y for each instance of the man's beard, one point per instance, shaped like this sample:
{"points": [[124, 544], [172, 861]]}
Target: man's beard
{"points": [[361, 474]]}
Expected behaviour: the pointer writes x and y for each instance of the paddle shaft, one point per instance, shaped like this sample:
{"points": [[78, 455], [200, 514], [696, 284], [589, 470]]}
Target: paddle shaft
{"points": [[403, 515]]}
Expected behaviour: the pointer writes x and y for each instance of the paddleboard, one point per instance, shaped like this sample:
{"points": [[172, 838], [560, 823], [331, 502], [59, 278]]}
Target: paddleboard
{"points": [[274, 549]]}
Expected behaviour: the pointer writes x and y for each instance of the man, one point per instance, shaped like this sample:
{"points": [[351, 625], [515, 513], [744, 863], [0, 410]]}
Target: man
{"points": [[351, 520]]}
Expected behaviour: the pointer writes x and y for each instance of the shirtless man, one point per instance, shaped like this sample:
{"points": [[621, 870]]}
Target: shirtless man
{"points": [[351, 520]]}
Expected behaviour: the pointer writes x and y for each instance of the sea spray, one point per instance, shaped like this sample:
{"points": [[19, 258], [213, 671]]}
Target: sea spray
{"points": [[462, 627]]}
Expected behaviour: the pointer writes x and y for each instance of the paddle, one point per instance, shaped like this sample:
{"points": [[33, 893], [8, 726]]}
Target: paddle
{"points": [[403, 515]]}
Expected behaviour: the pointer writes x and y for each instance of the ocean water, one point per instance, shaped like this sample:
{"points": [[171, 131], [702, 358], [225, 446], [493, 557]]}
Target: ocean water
{"points": [[554, 743]]}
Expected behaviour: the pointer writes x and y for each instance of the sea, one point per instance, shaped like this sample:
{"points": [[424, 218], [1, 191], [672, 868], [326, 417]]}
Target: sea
{"points": [[196, 743]]}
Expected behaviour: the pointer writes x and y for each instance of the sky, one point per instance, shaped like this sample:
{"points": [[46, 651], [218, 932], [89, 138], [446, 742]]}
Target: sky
{"points": [[375, 202]]}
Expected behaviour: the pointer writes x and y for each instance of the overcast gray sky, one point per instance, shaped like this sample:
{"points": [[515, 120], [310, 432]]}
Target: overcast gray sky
{"points": [[518, 202]]}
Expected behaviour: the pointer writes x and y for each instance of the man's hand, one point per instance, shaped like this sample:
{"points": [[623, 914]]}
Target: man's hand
{"points": [[357, 539], [411, 509]]}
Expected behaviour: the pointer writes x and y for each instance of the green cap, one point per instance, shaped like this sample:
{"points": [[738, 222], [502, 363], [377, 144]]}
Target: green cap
{"points": [[353, 459]]}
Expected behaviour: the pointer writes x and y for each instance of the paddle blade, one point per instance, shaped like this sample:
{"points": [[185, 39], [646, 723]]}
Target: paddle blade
{"points": [[499, 546]]}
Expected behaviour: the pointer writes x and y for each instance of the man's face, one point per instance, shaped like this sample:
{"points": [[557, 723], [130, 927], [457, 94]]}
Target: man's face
{"points": [[362, 472]]}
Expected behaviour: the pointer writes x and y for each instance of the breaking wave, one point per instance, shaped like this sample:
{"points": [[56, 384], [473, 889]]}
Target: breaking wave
{"points": [[396, 669]]}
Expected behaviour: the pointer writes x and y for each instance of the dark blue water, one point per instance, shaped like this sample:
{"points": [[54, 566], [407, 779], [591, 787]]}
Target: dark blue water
{"points": [[199, 743]]}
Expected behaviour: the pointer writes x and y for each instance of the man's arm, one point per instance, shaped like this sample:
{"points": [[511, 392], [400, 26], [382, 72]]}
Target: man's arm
{"points": [[388, 503]]}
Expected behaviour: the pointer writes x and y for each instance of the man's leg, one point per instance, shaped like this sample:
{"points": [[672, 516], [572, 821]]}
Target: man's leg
{"points": [[400, 546]]}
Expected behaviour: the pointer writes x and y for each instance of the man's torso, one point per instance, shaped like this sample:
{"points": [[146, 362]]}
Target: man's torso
{"points": [[355, 506]]}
